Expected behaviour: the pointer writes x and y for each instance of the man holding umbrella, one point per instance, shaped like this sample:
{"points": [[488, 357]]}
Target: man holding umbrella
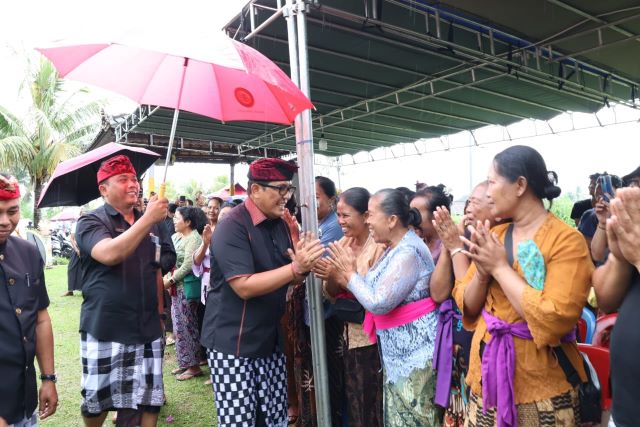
{"points": [[251, 265], [25, 326], [122, 252]]}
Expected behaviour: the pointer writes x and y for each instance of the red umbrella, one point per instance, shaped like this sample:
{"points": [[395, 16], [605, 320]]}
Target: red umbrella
{"points": [[69, 214], [224, 193], [187, 68], [73, 183]]}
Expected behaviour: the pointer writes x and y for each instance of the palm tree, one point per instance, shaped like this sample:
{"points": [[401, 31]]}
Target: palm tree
{"points": [[57, 126]]}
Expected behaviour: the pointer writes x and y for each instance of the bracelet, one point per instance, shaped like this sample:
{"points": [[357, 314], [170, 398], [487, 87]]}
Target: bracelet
{"points": [[51, 377], [602, 227], [456, 251]]}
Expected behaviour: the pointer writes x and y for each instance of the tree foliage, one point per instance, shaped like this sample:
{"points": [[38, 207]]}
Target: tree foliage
{"points": [[562, 209], [56, 127]]}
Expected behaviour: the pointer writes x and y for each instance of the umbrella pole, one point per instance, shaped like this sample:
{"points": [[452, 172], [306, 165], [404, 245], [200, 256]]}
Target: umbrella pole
{"points": [[297, 34], [174, 125]]}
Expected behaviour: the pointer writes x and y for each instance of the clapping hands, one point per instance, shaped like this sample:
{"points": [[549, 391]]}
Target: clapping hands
{"points": [[308, 252], [623, 227], [485, 249], [343, 261], [447, 230]]}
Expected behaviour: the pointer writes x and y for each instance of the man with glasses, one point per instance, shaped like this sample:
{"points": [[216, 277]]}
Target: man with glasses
{"points": [[252, 262]]}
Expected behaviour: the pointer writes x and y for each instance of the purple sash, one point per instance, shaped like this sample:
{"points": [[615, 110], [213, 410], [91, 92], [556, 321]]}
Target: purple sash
{"points": [[443, 352], [498, 366]]}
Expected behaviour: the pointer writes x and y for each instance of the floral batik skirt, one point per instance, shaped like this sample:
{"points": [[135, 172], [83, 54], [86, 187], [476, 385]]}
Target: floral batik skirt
{"points": [[459, 397], [561, 410], [409, 401]]}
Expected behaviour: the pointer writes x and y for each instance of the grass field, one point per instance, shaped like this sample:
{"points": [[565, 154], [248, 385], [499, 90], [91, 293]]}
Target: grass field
{"points": [[190, 403]]}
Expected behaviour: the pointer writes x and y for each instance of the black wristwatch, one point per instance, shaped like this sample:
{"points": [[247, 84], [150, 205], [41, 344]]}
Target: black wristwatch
{"points": [[163, 316], [52, 377]]}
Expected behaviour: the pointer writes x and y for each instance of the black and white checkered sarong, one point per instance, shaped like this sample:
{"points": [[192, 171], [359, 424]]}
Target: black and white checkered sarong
{"points": [[32, 421], [119, 376], [241, 385]]}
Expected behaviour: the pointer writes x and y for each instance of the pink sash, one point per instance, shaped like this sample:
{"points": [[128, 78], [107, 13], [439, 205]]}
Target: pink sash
{"points": [[399, 316]]}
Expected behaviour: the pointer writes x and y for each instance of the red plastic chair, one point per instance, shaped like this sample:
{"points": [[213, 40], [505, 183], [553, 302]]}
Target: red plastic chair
{"points": [[599, 358], [604, 326], [582, 330]]}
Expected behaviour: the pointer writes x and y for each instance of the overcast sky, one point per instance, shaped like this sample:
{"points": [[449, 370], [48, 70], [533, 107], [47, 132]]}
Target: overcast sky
{"points": [[573, 155]]}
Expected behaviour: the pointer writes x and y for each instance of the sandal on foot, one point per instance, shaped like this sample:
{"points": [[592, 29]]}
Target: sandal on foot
{"points": [[292, 416], [178, 371], [188, 375]]}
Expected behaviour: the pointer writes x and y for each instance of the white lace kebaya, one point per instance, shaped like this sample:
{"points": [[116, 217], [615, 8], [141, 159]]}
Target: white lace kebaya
{"points": [[399, 277]]}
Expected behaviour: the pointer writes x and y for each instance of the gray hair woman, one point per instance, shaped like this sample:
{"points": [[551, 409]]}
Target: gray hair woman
{"points": [[400, 312]]}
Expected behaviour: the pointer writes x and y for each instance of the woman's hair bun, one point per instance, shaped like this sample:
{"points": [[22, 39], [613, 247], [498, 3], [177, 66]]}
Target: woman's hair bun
{"points": [[415, 218], [551, 190]]}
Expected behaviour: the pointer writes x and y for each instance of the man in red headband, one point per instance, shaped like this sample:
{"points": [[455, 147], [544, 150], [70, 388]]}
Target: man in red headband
{"points": [[251, 265], [26, 327], [122, 252]]}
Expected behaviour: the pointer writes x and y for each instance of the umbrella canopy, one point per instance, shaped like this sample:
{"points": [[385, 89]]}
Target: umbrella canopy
{"points": [[187, 68], [73, 183], [224, 193], [69, 214]]}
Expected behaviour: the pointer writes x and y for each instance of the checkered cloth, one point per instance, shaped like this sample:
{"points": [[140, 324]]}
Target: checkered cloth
{"points": [[27, 422], [118, 376], [240, 384]]}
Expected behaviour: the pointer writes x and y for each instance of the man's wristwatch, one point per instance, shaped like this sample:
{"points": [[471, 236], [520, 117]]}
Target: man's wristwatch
{"points": [[172, 281], [51, 377]]}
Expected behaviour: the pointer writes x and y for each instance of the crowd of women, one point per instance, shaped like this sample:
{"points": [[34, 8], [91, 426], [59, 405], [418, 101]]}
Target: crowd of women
{"points": [[429, 322], [193, 228]]}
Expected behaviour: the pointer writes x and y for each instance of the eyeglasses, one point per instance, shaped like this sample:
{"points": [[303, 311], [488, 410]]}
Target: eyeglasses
{"points": [[283, 190]]}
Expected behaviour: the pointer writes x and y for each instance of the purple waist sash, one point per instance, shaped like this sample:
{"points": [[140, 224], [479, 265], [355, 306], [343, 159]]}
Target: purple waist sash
{"points": [[443, 352], [498, 367]]}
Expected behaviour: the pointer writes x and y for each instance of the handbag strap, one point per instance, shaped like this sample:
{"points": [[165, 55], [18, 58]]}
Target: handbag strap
{"points": [[567, 367], [508, 244]]}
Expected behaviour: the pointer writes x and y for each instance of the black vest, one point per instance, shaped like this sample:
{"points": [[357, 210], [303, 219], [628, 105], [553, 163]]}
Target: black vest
{"points": [[22, 295], [245, 328]]}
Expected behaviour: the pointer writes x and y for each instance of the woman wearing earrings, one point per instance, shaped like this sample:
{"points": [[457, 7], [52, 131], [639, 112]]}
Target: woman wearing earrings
{"points": [[400, 312]]}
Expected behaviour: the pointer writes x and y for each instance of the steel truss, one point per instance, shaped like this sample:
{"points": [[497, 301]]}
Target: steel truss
{"points": [[525, 62]]}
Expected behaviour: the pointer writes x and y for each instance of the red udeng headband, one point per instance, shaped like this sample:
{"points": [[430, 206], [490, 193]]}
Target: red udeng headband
{"points": [[272, 169], [9, 191], [115, 166]]}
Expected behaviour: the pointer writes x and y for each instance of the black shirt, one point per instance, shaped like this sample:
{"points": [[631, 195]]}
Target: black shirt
{"points": [[120, 302], [624, 348], [169, 225], [241, 246], [22, 295], [580, 208]]}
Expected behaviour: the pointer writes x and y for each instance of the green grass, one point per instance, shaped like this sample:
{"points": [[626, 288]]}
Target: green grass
{"points": [[190, 403]]}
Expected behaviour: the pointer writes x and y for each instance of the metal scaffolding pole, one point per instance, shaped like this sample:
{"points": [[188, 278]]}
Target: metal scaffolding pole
{"points": [[297, 34], [232, 179]]}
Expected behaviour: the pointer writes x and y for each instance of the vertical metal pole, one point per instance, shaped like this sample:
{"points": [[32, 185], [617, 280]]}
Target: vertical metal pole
{"points": [[470, 167], [232, 179], [297, 33]]}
